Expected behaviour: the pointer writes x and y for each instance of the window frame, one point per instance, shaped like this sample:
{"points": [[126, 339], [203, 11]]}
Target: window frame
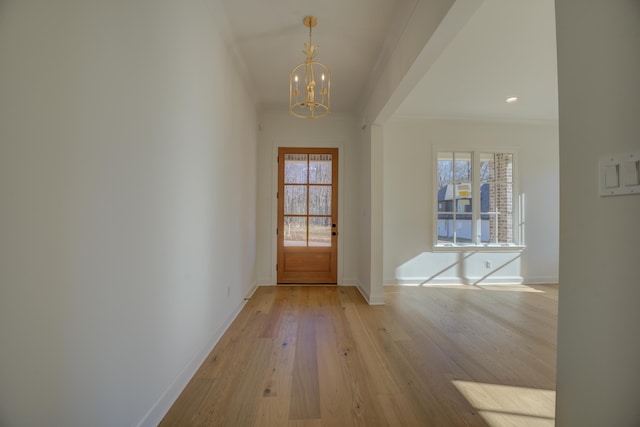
{"points": [[517, 207]]}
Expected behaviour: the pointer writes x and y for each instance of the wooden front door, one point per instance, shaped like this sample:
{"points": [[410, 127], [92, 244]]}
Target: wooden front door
{"points": [[307, 215]]}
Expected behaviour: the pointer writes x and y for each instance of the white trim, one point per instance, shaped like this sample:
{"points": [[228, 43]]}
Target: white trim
{"points": [[276, 143], [376, 300], [350, 282], [478, 248], [372, 300], [518, 231], [541, 280], [160, 408], [364, 293], [473, 280]]}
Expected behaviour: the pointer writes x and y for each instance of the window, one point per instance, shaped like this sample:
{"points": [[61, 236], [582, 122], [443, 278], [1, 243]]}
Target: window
{"points": [[474, 198]]}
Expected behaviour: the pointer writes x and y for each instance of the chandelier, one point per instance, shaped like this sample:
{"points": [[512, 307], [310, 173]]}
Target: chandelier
{"points": [[314, 100]]}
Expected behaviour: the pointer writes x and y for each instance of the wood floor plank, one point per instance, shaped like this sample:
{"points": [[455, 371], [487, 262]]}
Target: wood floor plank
{"points": [[334, 379], [381, 382], [272, 325], [241, 409], [432, 356], [221, 369], [305, 423], [365, 372], [305, 389], [398, 411], [273, 405], [187, 406]]}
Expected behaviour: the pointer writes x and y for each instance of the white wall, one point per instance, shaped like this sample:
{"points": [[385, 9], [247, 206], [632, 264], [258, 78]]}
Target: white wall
{"points": [[365, 233], [370, 225], [598, 380], [408, 202], [429, 29], [279, 129], [127, 206]]}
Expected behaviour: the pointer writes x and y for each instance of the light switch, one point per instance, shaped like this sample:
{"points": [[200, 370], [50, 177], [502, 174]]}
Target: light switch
{"points": [[611, 176], [619, 175], [631, 173]]}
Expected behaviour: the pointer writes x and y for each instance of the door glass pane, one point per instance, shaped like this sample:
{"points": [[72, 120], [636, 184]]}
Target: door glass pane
{"points": [[487, 203], [295, 169], [487, 167], [488, 228], [295, 231], [463, 193], [463, 169], [445, 228], [320, 168], [295, 199], [496, 167], [445, 198], [445, 167], [319, 231], [319, 200], [496, 217], [463, 228], [463, 208]]}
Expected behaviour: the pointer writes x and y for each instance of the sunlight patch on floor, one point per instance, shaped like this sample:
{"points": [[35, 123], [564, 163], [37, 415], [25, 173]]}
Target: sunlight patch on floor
{"points": [[501, 405]]}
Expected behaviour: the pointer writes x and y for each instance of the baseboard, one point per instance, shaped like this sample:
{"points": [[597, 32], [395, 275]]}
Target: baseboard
{"points": [[370, 300], [540, 280], [503, 280], [350, 282], [360, 289], [157, 412], [490, 280], [377, 300]]}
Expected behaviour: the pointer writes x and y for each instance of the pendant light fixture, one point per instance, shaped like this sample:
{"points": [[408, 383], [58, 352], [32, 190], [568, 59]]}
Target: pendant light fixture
{"points": [[310, 82]]}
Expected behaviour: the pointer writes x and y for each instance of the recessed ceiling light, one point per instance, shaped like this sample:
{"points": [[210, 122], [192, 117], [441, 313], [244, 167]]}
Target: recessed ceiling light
{"points": [[512, 99]]}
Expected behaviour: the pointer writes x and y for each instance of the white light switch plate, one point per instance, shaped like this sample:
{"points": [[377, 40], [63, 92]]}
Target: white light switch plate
{"points": [[631, 173], [619, 174]]}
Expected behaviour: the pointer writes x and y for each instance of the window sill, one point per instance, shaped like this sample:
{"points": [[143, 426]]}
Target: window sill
{"points": [[478, 248]]}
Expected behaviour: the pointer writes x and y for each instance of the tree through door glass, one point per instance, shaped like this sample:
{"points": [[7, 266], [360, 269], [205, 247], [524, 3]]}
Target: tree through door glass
{"points": [[307, 199]]}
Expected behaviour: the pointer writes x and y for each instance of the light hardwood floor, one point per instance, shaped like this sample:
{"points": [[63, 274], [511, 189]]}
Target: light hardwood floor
{"points": [[432, 356]]}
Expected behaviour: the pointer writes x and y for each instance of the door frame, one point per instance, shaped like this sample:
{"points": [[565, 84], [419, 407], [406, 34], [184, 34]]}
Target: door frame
{"points": [[307, 143], [309, 253]]}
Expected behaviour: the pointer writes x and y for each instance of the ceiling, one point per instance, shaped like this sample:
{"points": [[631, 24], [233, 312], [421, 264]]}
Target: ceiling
{"points": [[507, 48]]}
